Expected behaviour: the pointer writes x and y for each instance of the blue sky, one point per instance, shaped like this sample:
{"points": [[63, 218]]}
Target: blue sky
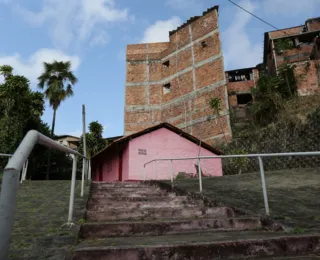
{"points": [[93, 34]]}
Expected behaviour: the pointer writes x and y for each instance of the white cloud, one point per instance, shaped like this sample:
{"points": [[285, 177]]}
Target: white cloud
{"points": [[291, 7], [239, 51], [159, 31], [33, 66], [184, 4], [99, 39], [73, 20]]}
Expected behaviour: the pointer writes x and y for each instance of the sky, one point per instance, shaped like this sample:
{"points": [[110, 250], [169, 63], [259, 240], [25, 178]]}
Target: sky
{"points": [[93, 35]]}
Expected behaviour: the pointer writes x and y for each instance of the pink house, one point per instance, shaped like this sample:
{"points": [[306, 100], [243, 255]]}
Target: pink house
{"points": [[124, 159]]}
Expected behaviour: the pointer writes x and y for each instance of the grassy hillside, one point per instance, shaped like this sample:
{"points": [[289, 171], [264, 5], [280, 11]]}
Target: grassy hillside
{"points": [[42, 208], [293, 194]]}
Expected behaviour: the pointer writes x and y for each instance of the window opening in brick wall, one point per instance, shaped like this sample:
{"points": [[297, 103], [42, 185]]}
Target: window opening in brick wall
{"points": [[166, 63], [204, 44], [142, 151], [244, 99], [240, 75], [166, 88]]}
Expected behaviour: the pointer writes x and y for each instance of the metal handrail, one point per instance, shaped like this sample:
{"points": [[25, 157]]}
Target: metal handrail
{"points": [[5, 155], [24, 168], [10, 183], [259, 156]]}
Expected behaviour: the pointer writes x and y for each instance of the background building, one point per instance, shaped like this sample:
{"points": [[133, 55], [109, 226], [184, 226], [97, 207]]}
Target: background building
{"points": [[174, 81], [299, 46]]}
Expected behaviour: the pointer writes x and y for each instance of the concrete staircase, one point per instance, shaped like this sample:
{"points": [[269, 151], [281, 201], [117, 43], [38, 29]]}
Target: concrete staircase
{"points": [[135, 221]]}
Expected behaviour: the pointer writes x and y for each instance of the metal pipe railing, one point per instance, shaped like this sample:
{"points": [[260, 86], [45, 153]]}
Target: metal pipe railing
{"points": [[258, 156], [10, 183], [24, 168]]}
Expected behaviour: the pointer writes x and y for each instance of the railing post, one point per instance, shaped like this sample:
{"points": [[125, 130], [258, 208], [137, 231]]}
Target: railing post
{"points": [[144, 173], [24, 171], [200, 177], [264, 187], [155, 169], [9, 187], [172, 173], [73, 184], [89, 170], [82, 177]]}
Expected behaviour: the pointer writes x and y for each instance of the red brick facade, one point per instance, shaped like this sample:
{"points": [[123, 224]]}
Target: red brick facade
{"points": [[304, 54], [174, 81]]}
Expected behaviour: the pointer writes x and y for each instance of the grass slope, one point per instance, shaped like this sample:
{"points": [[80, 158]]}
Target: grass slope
{"points": [[42, 208], [293, 194]]}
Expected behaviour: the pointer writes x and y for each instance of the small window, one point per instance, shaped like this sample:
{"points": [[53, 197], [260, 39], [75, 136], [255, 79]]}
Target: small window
{"points": [[142, 151], [244, 99], [166, 88], [166, 63], [204, 44]]}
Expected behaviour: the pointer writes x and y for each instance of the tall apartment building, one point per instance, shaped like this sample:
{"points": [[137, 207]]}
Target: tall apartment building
{"points": [[299, 46], [174, 81]]}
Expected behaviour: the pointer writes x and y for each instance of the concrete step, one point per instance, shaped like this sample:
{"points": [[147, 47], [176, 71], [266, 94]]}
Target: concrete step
{"points": [[146, 199], [305, 257], [154, 213], [125, 189], [119, 184], [204, 246], [124, 196], [109, 204], [162, 227], [127, 194]]}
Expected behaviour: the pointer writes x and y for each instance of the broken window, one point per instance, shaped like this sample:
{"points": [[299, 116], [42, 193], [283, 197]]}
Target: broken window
{"points": [[244, 99], [240, 75], [142, 151], [166, 63], [166, 88], [204, 44]]}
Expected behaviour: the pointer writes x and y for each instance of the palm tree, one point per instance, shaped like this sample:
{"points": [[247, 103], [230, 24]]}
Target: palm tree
{"points": [[57, 81]]}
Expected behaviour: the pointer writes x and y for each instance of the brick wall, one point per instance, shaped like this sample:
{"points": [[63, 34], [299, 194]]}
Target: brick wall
{"points": [[192, 63], [308, 84], [285, 32]]}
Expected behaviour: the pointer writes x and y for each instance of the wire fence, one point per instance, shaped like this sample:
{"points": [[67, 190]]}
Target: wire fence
{"points": [[276, 138]]}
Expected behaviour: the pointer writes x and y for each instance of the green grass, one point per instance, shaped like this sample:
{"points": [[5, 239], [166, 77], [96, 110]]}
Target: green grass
{"points": [[293, 194], [41, 210]]}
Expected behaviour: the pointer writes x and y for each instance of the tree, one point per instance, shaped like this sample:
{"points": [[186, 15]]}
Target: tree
{"points": [[20, 110], [57, 81], [271, 94], [94, 139]]}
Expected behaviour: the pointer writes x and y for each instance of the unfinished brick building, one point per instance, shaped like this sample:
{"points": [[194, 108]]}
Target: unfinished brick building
{"points": [[299, 46], [174, 81], [239, 85]]}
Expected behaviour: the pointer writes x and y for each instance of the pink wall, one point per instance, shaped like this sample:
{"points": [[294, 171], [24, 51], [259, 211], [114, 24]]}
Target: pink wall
{"points": [[110, 160], [125, 163], [163, 143]]}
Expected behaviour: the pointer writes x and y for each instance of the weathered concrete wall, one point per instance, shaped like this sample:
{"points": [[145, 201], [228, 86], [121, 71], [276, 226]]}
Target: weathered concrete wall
{"points": [[192, 62], [164, 143]]}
